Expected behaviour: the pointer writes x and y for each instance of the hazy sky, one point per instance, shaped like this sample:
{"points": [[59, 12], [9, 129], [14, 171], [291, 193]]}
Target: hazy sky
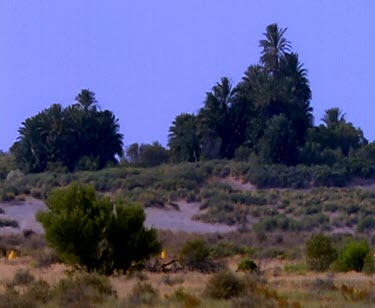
{"points": [[149, 61]]}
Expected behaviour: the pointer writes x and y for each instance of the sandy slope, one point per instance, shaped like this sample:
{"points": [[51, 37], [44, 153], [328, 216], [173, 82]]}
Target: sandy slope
{"points": [[168, 219]]}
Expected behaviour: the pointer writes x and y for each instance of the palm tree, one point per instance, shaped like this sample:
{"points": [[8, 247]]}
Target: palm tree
{"points": [[213, 119], [183, 139], [333, 117], [86, 101], [275, 46]]}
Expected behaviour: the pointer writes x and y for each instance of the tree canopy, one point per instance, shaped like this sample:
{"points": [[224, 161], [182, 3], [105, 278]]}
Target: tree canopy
{"points": [[267, 114], [77, 137]]}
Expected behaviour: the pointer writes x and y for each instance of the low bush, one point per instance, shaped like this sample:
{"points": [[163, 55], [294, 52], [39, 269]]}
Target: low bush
{"points": [[366, 224], [143, 294], [22, 277], [224, 285], [247, 265], [369, 264], [82, 290], [322, 285], [186, 299], [352, 256], [195, 255], [277, 222], [320, 252], [8, 223]]}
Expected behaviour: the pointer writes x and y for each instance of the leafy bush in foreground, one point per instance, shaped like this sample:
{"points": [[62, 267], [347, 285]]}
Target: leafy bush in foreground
{"points": [[319, 252], [91, 232], [353, 255]]}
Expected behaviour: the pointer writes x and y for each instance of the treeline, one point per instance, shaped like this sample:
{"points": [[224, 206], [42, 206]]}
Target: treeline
{"points": [[266, 118], [267, 115]]}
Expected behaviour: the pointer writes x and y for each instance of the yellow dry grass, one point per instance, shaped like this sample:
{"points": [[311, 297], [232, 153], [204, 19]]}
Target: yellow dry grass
{"points": [[289, 286]]}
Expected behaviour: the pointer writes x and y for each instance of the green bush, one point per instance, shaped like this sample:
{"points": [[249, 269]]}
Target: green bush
{"points": [[224, 285], [369, 264], [90, 231], [352, 256], [247, 265], [277, 222], [195, 255], [319, 252]]}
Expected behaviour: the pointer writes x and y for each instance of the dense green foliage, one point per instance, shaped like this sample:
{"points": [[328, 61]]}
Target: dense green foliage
{"points": [[77, 137], [146, 155], [90, 231], [352, 256], [267, 114], [320, 252]]}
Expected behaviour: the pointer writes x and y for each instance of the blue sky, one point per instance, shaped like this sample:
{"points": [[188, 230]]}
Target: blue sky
{"points": [[149, 61]]}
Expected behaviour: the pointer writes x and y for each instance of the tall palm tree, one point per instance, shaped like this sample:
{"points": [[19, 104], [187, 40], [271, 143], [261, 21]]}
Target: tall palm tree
{"points": [[183, 139], [275, 46], [213, 119]]}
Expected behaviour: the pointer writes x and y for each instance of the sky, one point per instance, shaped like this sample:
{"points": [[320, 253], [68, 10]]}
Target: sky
{"points": [[148, 61]]}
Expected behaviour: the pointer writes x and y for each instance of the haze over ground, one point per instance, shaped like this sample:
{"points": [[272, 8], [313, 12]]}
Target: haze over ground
{"points": [[149, 61]]}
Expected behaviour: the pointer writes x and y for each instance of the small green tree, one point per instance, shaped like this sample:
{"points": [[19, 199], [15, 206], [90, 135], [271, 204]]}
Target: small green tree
{"points": [[353, 256], [92, 232], [319, 252]]}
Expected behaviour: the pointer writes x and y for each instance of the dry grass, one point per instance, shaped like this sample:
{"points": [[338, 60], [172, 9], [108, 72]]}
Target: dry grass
{"points": [[292, 288]]}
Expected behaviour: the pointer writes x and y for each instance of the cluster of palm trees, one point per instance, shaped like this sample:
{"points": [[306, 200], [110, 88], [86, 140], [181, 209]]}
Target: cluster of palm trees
{"points": [[77, 137], [268, 113]]}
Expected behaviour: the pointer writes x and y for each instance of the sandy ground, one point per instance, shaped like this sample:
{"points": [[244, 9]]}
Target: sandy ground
{"points": [[167, 219], [24, 213], [181, 220]]}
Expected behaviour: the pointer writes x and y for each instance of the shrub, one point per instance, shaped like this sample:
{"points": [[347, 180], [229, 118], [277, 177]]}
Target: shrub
{"points": [[195, 254], [224, 249], [253, 300], [91, 232], [369, 264], [353, 255], [224, 285], [22, 277], [8, 223], [39, 291], [278, 222], [247, 265], [82, 290], [367, 223], [321, 285], [143, 293], [188, 300], [319, 252]]}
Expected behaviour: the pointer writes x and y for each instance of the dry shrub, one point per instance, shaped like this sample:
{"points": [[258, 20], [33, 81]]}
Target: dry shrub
{"points": [[39, 291], [143, 294], [171, 281], [22, 277], [252, 300], [224, 285], [188, 300], [321, 285], [83, 290]]}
